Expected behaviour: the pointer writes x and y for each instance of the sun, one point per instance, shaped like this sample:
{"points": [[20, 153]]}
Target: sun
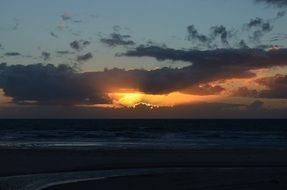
{"points": [[129, 99], [132, 99]]}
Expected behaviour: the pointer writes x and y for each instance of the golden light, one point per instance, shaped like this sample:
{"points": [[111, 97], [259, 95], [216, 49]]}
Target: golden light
{"points": [[133, 99], [127, 99], [4, 99]]}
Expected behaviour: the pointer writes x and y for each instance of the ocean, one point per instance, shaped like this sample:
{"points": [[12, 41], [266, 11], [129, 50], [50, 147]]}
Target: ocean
{"points": [[121, 134]]}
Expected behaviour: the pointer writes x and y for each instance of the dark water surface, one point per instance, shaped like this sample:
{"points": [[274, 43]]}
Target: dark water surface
{"points": [[144, 133]]}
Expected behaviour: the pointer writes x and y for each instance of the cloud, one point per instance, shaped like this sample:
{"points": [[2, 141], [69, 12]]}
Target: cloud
{"points": [[242, 45], [220, 31], [236, 59], [116, 39], [2, 47], [48, 84], [65, 52], [259, 27], [117, 28], [85, 57], [200, 110], [194, 35], [280, 14], [278, 3], [79, 45], [256, 105], [54, 35], [66, 16], [10, 54], [204, 89], [46, 56], [245, 92], [275, 87]]}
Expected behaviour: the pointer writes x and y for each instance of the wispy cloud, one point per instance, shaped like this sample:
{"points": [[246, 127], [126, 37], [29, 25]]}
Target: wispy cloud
{"points": [[116, 39]]}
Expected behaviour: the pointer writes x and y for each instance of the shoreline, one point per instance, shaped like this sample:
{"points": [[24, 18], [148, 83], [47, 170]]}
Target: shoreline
{"points": [[31, 161], [258, 168]]}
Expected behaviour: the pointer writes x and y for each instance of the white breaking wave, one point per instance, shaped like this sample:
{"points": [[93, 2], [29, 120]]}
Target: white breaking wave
{"points": [[42, 181]]}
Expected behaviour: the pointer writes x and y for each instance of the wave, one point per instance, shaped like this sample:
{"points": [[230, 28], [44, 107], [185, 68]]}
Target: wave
{"points": [[42, 181]]}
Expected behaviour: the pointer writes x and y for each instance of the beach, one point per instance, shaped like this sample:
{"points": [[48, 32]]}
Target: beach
{"points": [[165, 168]]}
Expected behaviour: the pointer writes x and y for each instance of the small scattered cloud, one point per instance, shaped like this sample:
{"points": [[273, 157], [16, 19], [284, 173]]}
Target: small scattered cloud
{"points": [[117, 28], [280, 14], [54, 35], [65, 52], [86, 57], [66, 16], [11, 54], [116, 39], [194, 35], [222, 33], [79, 45], [46, 55], [259, 28], [277, 3]]}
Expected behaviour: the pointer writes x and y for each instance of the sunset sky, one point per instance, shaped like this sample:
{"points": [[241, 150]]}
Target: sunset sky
{"points": [[143, 59]]}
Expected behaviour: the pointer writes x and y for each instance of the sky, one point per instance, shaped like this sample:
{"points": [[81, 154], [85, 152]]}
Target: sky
{"points": [[143, 59]]}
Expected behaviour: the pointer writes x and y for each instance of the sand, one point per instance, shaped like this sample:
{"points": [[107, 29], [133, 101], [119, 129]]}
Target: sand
{"points": [[193, 169]]}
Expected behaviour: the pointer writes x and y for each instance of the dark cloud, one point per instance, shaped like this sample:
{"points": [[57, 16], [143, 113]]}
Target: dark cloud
{"points": [[245, 92], [45, 56], [75, 45], [245, 59], [256, 105], [199, 110], [275, 87], [242, 45], [85, 57], [79, 44], [279, 3], [194, 35], [116, 39], [210, 65], [12, 54], [220, 31], [219, 36], [48, 84], [68, 17], [64, 52], [259, 27], [280, 14]]}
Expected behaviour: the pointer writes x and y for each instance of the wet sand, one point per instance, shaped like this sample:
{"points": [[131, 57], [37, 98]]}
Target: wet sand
{"points": [[207, 169], [195, 179]]}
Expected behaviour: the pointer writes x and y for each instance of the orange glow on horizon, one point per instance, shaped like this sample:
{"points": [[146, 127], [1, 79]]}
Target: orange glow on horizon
{"points": [[133, 99], [4, 99]]}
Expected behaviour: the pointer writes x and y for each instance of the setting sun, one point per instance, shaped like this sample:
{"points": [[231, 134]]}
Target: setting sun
{"points": [[132, 99]]}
